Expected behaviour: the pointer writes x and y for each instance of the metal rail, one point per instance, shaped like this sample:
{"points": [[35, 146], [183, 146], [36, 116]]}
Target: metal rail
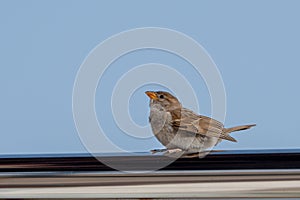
{"points": [[226, 160], [228, 174]]}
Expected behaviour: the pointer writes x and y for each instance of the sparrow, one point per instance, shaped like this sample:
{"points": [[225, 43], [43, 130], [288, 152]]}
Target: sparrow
{"points": [[180, 129]]}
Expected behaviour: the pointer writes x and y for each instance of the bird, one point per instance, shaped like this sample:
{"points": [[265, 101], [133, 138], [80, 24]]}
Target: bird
{"points": [[182, 130]]}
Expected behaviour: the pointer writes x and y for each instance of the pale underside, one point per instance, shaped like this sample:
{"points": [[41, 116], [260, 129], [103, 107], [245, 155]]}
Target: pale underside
{"points": [[192, 132]]}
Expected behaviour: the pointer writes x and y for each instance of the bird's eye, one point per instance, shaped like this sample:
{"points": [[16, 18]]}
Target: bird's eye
{"points": [[161, 96]]}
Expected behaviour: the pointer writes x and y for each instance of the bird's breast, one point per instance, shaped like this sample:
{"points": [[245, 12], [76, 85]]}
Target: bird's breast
{"points": [[160, 120]]}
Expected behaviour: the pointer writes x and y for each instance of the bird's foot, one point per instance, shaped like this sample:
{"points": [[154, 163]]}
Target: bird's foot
{"points": [[174, 153], [169, 152], [154, 151], [174, 150]]}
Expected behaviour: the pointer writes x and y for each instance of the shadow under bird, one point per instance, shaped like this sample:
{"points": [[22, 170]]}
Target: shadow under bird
{"points": [[181, 130]]}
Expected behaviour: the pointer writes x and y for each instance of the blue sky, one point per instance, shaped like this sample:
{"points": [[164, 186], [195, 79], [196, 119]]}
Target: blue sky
{"points": [[255, 45]]}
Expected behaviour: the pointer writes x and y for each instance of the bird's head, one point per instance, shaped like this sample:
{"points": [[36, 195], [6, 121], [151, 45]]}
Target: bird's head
{"points": [[165, 99]]}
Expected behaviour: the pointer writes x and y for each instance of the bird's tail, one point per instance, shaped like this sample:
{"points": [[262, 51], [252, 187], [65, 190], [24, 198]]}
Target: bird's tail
{"points": [[238, 128]]}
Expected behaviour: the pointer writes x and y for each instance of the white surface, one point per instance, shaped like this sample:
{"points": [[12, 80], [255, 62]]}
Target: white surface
{"points": [[220, 189]]}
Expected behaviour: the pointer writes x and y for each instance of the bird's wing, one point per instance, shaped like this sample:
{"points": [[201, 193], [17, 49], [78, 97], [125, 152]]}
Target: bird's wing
{"points": [[198, 124]]}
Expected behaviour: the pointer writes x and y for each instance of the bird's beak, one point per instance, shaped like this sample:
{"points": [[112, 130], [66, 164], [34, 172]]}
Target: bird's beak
{"points": [[152, 95]]}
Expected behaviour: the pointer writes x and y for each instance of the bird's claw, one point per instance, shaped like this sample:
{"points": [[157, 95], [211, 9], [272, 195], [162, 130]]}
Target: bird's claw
{"points": [[154, 151], [166, 151], [173, 151]]}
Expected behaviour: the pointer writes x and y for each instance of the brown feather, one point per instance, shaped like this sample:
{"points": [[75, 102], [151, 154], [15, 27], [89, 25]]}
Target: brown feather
{"points": [[199, 124], [190, 122], [238, 128]]}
